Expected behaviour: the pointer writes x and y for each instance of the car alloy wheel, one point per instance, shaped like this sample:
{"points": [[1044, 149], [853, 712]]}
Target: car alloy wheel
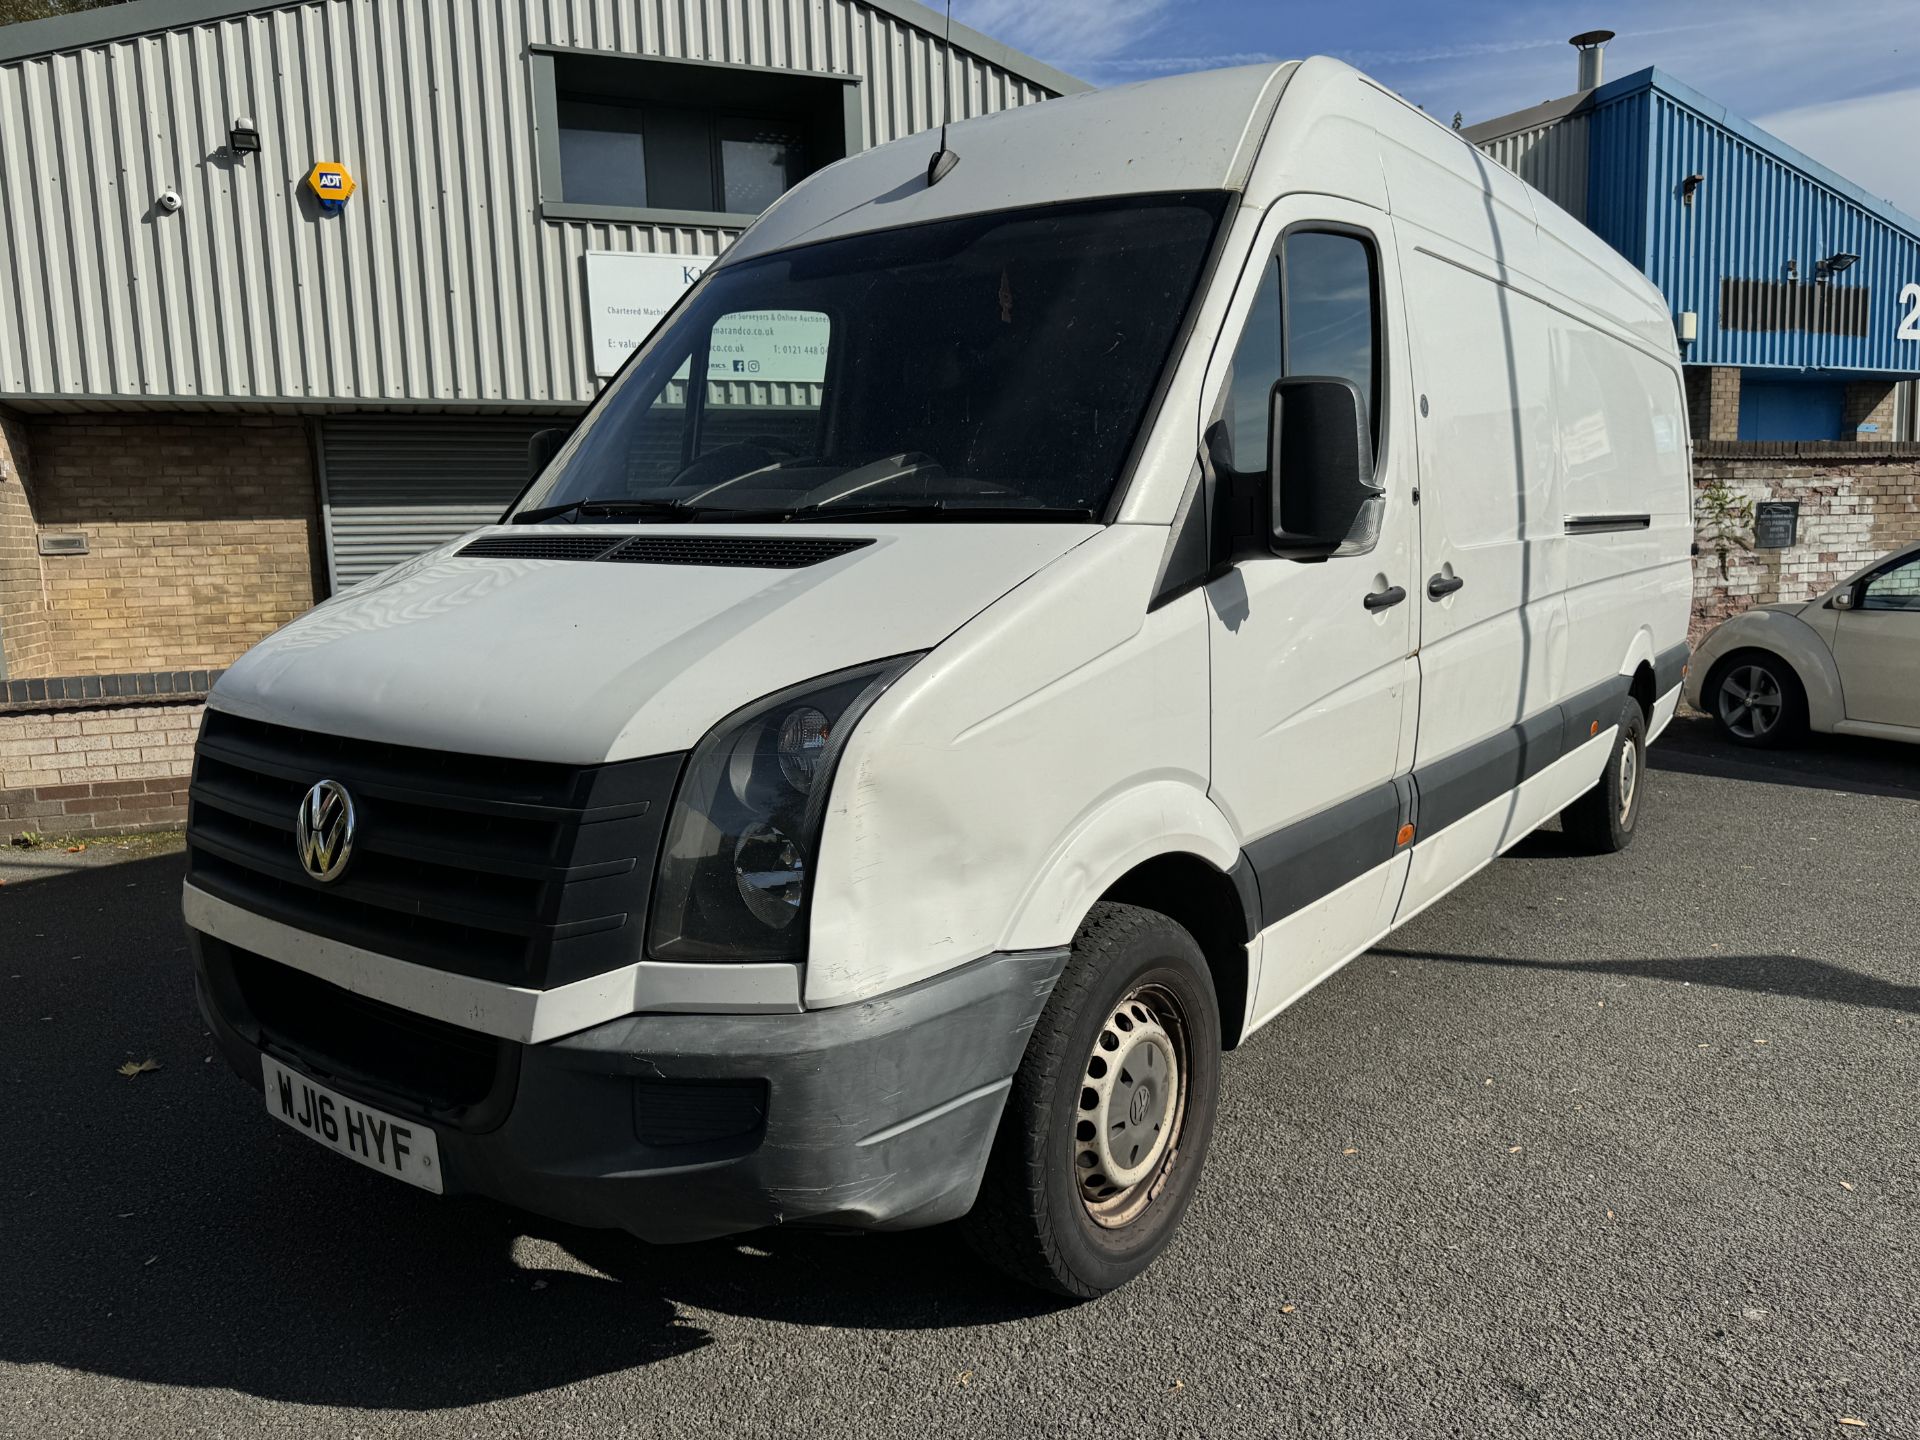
{"points": [[1751, 701]]}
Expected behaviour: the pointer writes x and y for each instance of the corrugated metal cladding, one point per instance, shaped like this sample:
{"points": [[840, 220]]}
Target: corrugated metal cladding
{"points": [[440, 284], [395, 485], [1752, 214], [1758, 206], [1552, 158]]}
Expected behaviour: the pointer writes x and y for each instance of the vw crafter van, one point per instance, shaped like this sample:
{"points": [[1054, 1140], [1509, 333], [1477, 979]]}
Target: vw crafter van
{"points": [[1018, 624]]}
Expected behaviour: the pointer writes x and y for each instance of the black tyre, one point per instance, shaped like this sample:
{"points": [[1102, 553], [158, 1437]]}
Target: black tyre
{"points": [[1110, 1112], [1757, 699], [1601, 821]]}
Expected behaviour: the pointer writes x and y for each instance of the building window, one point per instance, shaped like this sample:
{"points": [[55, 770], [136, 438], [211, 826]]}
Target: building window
{"points": [[642, 138]]}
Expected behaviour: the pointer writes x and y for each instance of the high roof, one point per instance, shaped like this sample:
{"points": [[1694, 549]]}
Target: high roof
{"points": [[1185, 132], [124, 21]]}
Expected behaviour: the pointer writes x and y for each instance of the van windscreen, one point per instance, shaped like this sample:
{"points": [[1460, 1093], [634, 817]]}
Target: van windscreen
{"points": [[996, 366]]}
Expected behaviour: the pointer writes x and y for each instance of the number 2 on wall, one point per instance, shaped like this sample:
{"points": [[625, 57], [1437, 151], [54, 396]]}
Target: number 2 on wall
{"points": [[1910, 322]]}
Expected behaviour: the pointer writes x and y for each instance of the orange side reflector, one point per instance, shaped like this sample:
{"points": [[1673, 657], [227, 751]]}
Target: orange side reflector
{"points": [[1406, 836], [1593, 729]]}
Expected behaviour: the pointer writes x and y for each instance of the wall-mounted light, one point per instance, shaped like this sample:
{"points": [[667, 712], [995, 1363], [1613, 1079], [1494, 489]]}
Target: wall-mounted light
{"points": [[1793, 270], [242, 137], [1687, 327], [1835, 263], [1687, 186]]}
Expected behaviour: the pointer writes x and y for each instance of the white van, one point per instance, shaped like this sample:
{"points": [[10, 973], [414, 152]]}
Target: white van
{"points": [[1000, 642]]}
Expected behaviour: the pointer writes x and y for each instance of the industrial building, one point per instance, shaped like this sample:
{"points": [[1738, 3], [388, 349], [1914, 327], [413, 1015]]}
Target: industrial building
{"points": [[287, 286], [1796, 302], [1795, 294]]}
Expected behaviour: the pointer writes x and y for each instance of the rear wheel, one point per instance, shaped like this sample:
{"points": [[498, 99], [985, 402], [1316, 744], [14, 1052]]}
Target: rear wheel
{"points": [[1757, 699], [1110, 1112], [1601, 821]]}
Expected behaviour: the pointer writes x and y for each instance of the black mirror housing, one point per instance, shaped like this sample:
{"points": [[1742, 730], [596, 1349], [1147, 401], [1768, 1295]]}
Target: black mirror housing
{"points": [[543, 445], [1320, 467]]}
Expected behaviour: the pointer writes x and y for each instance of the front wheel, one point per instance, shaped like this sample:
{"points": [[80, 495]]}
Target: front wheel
{"points": [[1110, 1112], [1757, 699], [1601, 821]]}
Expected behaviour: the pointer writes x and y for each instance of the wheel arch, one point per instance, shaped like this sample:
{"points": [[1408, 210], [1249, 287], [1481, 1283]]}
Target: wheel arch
{"points": [[1218, 908], [1790, 640]]}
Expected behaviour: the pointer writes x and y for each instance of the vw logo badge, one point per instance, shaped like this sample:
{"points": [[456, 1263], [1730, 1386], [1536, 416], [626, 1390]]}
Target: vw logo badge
{"points": [[323, 833]]}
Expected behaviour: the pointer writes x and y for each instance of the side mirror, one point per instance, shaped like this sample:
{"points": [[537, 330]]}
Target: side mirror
{"points": [[1844, 599], [1320, 467], [543, 446]]}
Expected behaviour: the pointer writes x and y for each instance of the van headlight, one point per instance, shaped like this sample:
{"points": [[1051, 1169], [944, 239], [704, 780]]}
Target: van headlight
{"points": [[736, 867]]}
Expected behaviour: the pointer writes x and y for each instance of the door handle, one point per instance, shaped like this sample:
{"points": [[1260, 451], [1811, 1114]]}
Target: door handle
{"points": [[1441, 586], [1385, 599]]}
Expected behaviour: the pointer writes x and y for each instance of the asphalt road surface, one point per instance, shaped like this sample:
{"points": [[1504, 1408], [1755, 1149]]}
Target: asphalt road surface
{"points": [[1620, 1147]]}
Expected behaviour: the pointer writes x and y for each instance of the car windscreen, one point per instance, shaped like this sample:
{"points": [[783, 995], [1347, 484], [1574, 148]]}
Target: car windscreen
{"points": [[999, 365]]}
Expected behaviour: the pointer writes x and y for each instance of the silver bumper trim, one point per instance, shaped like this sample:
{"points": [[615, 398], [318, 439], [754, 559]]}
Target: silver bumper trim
{"points": [[510, 1012]]}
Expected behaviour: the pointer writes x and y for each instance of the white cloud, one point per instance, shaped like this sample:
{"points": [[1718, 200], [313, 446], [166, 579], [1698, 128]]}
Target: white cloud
{"points": [[1067, 33], [1857, 137]]}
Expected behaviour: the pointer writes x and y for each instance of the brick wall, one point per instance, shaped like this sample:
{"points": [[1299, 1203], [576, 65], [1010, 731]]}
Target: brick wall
{"points": [[96, 772], [202, 534], [26, 645], [1855, 505]]}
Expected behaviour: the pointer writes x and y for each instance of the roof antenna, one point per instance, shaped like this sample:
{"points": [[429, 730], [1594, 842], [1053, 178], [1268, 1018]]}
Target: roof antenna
{"points": [[944, 159]]}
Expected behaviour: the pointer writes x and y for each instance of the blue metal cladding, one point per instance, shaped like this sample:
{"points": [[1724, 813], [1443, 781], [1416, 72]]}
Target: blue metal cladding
{"points": [[1761, 204]]}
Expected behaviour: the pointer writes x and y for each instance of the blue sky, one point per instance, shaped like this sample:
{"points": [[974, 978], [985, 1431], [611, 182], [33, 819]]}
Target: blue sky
{"points": [[1838, 78]]}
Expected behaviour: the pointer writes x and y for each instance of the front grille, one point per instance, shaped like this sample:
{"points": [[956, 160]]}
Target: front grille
{"points": [[336, 1035], [761, 552], [515, 871]]}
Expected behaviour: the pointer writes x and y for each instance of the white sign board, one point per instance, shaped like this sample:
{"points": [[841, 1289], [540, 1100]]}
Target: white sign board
{"points": [[627, 295], [782, 345]]}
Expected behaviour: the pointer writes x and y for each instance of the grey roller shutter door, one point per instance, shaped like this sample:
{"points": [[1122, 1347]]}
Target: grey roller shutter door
{"points": [[400, 484]]}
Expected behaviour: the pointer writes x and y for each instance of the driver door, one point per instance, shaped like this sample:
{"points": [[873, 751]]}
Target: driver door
{"points": [[1313, 680]]}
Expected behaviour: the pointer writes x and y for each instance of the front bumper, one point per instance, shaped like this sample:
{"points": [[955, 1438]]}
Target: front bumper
{"points": [[877, 1115]]}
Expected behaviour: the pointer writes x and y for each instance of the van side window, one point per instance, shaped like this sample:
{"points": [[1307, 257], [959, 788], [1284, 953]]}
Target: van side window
{"points": [[1328, 285], [1240, 442], [1315, 313]]}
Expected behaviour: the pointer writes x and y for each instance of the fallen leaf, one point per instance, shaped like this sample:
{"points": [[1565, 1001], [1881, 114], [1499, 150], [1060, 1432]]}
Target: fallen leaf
{"points": [[1850, 1420], [1759, 1042], [75, 849], [1176, 1385], [138, 1067], [965, 1377], [1288, 1309], [1845, 1186], [1609, 1214], [1349, 1151], [1513, 1149]]}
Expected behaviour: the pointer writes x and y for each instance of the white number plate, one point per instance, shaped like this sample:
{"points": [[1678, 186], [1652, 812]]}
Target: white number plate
{"points": [[404, 1149]]}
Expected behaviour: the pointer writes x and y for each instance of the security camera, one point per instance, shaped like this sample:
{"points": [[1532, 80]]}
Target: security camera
{"points": [[170, 201]]}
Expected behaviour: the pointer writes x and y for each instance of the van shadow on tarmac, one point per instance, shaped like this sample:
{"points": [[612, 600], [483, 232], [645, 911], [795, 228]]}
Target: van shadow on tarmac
{"points": [[162, 1228]]}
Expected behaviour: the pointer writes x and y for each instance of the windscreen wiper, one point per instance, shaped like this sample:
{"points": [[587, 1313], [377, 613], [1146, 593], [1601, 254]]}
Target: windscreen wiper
{"points": [[828, 510], [592, 509]]}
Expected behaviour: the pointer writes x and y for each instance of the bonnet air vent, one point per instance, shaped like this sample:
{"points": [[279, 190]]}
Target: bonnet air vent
{"points": [[762, 552], [542, 547]]}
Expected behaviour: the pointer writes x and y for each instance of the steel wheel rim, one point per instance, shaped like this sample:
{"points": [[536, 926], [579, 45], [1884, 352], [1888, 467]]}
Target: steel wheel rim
{"points": [[1751, 701], [1629, 776], [1132, 1105]]}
